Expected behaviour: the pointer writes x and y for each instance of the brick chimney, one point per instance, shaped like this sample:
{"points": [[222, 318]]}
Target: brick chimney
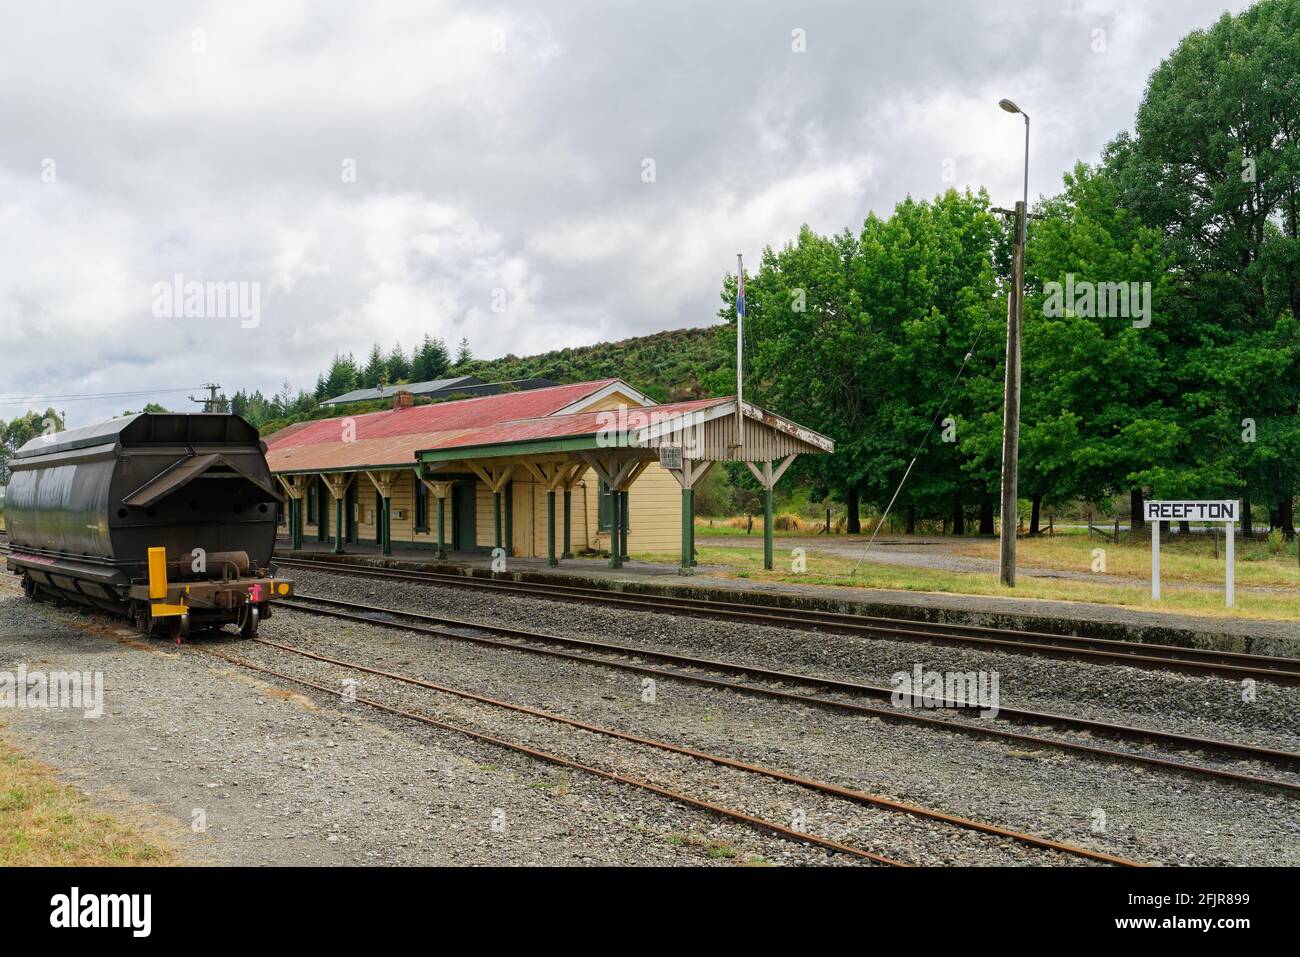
{"points": [[403, 400]]}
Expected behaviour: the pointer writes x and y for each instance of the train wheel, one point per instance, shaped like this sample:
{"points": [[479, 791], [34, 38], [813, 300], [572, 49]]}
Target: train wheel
{"points": [[249, 619], [180, 628], [29, 586], [144, 621]]}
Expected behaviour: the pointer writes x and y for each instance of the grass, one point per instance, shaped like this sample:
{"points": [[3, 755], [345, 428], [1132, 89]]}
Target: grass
{"points": [[1192, 578], [44, 822], [736, 526]]}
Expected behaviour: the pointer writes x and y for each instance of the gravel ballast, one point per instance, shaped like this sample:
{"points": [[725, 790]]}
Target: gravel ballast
{"points": [[359, 777], [293, 779]]}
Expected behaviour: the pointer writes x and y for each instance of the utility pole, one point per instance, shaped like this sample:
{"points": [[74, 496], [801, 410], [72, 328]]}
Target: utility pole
{"points": [[1011, 409], [211, 403], [1011, 403], [740, 344]]}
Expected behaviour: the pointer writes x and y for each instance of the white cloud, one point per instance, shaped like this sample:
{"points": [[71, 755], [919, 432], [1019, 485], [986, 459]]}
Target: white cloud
{"points": [[480, 168]]}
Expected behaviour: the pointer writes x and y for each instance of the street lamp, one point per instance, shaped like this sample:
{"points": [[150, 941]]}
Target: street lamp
{"points": [[1011, 405]]}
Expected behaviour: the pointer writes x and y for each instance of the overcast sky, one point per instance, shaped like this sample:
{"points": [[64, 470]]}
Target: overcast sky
{"points": [[377, 170]]}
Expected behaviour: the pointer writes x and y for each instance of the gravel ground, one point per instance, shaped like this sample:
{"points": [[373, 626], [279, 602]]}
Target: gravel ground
{"points": [[1149, 815], [293, 779]]}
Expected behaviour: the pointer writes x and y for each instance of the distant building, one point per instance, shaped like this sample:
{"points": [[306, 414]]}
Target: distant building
{"points": [[466, 385]]}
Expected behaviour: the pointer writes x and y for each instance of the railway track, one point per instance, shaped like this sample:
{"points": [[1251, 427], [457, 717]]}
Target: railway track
{"points": [[1197, 661], [811, 784], [774, 684]]}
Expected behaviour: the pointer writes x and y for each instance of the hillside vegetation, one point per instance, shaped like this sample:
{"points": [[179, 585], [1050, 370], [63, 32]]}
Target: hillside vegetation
{"points": [[668, 366]]}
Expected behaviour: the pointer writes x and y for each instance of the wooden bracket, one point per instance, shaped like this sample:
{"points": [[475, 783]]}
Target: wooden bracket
{"points": [[494, 479], [767, 477], [691, 472], [337, 483], [295, 485], [384, 482]]}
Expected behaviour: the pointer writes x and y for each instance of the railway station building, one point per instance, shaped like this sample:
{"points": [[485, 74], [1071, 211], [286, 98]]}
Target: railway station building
{"points": [[589, 467]]}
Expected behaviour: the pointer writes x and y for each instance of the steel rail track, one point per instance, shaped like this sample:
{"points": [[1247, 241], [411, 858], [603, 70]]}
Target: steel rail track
{"points": [[761, 824], [429, 624], [1197, 661], [823, 787]]}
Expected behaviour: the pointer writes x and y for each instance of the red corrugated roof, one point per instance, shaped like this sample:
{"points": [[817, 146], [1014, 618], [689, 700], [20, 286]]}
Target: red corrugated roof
{"points": [[567, 426], [439, 417], [394, 437]]}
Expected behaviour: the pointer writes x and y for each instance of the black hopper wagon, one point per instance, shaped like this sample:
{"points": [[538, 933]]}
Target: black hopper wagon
{"points": [[168, 519]]}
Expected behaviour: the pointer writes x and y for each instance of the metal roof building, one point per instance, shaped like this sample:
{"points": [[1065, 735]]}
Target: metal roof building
{"points": [[494, 465], [466, 385]]}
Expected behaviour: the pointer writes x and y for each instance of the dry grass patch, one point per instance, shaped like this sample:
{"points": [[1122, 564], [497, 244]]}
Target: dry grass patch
{"points": [[44, 822]]}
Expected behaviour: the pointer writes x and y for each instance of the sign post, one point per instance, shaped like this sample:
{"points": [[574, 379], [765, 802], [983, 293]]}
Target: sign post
{"points": [[1214, 511]]}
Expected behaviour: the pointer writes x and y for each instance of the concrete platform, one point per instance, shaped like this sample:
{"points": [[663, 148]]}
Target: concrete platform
{"points": [[712, 581]]}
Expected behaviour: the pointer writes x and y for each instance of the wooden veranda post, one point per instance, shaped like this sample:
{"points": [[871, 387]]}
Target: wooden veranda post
{"points": [[384, 483], [440, 490], [337, 483], [767, 477]]}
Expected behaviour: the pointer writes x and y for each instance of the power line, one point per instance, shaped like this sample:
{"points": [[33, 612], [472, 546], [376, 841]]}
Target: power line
{"points": [[87, 396]]}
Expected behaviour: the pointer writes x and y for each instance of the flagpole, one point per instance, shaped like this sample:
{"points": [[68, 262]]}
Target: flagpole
{"points": [[740, 341]]}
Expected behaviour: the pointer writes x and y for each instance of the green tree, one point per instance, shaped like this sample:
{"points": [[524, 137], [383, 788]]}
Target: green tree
{"points": [[18, 432], [398, 365], [375, 371], [341, 377], [1214, 165], [1098, 416], [463, 355], [430, 360]]}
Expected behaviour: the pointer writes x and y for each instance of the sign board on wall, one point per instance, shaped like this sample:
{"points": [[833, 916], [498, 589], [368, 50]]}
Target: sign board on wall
{"points": [[1193, 511], [670, 456]]}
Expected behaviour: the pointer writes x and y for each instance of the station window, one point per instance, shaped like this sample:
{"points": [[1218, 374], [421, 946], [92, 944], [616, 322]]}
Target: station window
{"points": [[421, 506], [311, 503]]}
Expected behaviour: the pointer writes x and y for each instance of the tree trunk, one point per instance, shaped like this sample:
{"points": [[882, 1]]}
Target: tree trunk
{"points": [[1286, 518], [986, 516], [1135, 519], [1246, 521], [1035, 510], [958, 519], [911, 520], [1184, 527], [851, 503]]}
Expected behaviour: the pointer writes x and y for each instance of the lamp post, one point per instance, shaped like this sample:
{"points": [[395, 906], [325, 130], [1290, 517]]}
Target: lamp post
{"points": [[1011, 403]]}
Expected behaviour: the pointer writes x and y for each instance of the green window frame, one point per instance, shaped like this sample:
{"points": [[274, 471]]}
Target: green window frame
{"points": [[421, 506], [602, 508], [311, 503]]}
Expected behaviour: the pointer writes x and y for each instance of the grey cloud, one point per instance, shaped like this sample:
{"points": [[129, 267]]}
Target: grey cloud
{"points": [[479, 169]]}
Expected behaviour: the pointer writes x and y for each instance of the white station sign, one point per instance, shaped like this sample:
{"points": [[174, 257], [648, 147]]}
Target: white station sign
{"points": [[1227, 512], [1193, 511]]}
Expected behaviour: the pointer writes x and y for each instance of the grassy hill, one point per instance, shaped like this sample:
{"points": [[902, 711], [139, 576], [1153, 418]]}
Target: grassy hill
{"points": [[667, 366]]}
